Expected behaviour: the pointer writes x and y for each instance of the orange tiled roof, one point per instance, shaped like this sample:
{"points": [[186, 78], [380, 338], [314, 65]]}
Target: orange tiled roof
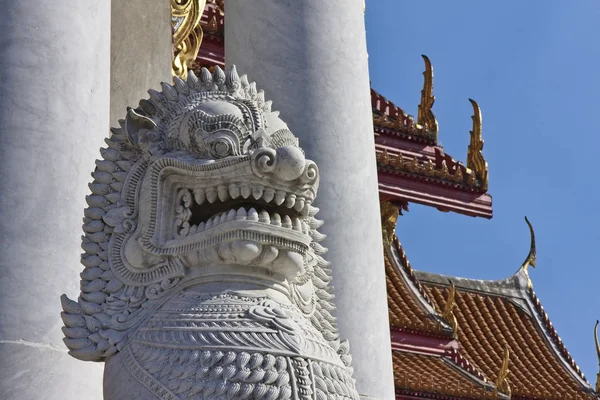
{"points": [[493, 315], [409, 307], [422, 374]]}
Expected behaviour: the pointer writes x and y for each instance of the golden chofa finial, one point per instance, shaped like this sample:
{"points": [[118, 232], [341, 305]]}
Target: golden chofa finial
{"points": [[425, 115], [532, 256], [187, 34], [475, 160], [502, 384], [447, 314], [598, 354]]}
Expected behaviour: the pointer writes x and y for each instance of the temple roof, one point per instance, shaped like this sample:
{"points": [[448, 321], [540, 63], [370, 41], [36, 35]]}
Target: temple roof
{"points": [[436, 377], [412, 167], [427, 358], [495, 320], [494, 315]]}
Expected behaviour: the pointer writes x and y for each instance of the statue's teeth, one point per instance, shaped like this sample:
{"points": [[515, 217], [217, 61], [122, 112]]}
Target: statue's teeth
{"points": [[223, 193], [234, 191], [193, 229], [241, 213], [231, 215], [286, 222], [276, 219], [297, 225], [257, 192], [269, 195], [252, 215], [185, 229], [211, 195], [299, 204], [290, 201], [223, 218], [246, 191], [202, 226], [305, 228], [199, 195], [264, 217], [209, 223], [279, 197]]}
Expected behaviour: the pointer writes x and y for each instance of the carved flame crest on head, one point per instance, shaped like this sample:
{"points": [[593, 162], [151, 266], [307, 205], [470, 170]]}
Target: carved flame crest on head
{"points": [[161, 212]]}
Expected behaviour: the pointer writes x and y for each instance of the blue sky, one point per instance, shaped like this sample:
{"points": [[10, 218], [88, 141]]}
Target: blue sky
{"points": [[534, 68]]}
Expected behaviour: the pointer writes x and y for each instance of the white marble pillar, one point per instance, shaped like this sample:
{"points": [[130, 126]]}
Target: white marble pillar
{"points": [[310, 57], [141, 51], [54, 113]]}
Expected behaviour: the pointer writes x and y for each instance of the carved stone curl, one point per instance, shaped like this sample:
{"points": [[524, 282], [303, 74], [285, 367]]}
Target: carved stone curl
{"points": [[204, 275]]}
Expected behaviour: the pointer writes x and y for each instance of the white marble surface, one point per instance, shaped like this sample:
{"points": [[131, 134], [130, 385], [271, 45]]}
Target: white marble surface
{"points": [[54, 94], [140, 51], [310, 58]]}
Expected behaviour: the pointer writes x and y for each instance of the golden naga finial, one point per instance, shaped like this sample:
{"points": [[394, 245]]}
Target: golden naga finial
{"points": [[598, 354], [389, 217], [502, 384], [447, 314], [475, 160], [425, 115], [532, 256], [187, 34]]}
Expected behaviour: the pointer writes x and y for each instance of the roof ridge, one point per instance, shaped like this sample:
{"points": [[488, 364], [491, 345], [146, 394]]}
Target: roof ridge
{"points": [[427, 304]]}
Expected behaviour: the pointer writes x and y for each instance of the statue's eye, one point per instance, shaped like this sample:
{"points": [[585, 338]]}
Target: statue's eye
{"points": [[221, 148], [223, 144]]}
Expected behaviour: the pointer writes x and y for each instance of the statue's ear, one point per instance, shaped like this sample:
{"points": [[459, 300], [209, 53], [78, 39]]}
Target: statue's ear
{"points": [[135, 122]]}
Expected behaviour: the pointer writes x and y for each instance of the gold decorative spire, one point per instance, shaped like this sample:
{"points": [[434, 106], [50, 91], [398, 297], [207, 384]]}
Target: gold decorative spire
{"points": [[389, 217], [532, 256], [502, 384], [425, 115], [598, 354], [447, 314], [187, 34], [475, 160]]}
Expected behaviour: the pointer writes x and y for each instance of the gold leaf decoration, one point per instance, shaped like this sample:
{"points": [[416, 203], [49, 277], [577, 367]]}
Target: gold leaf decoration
{"points": [[532, 256], [598, 354], [187, 34], [502, 384], [448, 314], [475, 160], [389, 217], [425, 116]]}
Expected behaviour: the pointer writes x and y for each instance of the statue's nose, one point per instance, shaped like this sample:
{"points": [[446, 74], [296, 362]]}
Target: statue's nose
{"points": [[289, 163], [286, 163]]}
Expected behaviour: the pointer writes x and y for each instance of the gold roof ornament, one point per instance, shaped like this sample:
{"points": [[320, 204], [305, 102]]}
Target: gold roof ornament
{"points": [[425, 116], [502, 384], [598, 354], [447, 314], [532, 256], [475, 159], [389, 217], [187, 34]]}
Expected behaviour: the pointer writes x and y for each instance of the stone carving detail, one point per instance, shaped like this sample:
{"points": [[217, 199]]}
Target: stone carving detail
{"points": [[204, 276]]}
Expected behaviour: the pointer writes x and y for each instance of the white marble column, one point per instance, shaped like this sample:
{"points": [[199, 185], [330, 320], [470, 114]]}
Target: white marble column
{"points": [[141, 51], [54, 113], [310, 57]]}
